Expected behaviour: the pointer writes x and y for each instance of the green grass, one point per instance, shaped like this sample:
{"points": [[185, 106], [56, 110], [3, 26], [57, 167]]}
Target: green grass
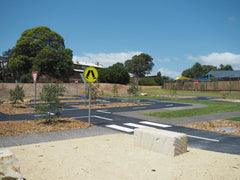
{"points": [[212, 108], [155, 91], [233, 119]]}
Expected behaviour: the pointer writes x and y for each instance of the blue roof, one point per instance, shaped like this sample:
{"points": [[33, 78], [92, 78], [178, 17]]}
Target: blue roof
{"points": [[221, 74], [204, 77]]}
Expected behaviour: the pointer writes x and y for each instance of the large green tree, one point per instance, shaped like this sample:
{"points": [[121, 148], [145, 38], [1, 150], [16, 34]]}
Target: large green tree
{"points": [[198, 70], [225, 68], [114, 74], [43, 50], [140, 65]]}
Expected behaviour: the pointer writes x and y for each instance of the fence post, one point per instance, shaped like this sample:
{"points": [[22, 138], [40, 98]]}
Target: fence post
{"points": [[230, 84]]}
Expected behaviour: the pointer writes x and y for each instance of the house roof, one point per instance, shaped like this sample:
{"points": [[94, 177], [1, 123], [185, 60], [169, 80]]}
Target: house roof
{"points": [[221, 74], [3, 59], [87, 64]]}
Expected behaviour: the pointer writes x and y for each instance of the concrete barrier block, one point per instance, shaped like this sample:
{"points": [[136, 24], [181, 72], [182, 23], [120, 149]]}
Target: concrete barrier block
{"points": [[9, 167], [163, 141]]}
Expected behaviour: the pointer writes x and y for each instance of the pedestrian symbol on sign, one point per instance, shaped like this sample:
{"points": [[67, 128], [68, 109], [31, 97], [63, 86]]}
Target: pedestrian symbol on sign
{"points": [[90, 74]]}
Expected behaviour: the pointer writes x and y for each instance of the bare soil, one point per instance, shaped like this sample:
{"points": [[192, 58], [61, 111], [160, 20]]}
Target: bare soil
{"points": [[15, 128], [9, 109], [227, 100], [213, 125]]}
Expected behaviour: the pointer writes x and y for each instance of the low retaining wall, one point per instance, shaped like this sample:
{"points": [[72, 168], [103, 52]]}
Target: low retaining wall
{"points": [[166, 142], [71, 88]]}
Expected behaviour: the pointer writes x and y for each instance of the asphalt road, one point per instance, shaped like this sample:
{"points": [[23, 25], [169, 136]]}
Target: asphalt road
{"points": [[125, 119]]}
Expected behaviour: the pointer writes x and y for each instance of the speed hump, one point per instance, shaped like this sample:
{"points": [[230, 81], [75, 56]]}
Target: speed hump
{"points": [[90, 74]]}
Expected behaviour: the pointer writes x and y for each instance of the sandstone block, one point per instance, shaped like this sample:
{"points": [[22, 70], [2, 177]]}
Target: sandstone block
{"points": [[9, 167], [163, 141]]}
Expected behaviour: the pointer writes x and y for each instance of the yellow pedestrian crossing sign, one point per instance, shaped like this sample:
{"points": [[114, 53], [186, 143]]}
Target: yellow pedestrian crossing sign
{"points": [[90, 74]]}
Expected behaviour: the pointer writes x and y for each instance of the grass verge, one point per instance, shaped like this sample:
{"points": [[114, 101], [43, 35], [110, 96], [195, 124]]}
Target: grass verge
{"points": [[233, 119], [212, 108], [156, 91]]}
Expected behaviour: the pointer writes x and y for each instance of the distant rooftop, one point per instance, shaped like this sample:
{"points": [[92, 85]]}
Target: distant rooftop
{"points": [[222, 74], [88, 64]]}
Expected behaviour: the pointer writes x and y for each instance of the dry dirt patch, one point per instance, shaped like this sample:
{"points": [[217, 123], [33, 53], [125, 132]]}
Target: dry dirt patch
{"points": [[7, 108], [15, 128], [227, 100], [213, 125]]}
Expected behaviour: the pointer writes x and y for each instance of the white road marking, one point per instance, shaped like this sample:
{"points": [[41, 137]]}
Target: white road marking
{"points": [[134, 125], [169, 105], [203, 138], [104, 111], [155, 124], [80, 117], [113, 126], [103, 118], [39, 115]]}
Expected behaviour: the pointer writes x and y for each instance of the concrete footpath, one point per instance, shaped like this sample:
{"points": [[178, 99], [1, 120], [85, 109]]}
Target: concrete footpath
{"points": [[54, 136], [115, 157]]}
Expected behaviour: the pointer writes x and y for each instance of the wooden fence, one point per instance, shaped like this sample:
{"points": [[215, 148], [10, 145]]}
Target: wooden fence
{"points": [[230, 85]]}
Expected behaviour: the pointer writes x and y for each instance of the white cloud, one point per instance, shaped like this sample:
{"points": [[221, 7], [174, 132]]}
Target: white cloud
{"points": [[216, 59], [170, 73], [106, 59], [192, 58]]}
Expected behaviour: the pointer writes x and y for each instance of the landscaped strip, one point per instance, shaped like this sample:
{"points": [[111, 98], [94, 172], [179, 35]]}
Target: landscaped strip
{"points": [[233, 119], [212, 108], [159, 91]]}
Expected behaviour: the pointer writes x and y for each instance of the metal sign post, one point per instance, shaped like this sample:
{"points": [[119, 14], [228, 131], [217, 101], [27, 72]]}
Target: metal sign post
{"points": [[196, 86], [34, 75], [76, 82], [90, 75], [85, 87], [89, 108]]}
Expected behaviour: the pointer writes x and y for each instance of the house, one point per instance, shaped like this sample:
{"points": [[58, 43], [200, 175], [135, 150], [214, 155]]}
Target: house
{"points": [[79, 67], [225, 75]]}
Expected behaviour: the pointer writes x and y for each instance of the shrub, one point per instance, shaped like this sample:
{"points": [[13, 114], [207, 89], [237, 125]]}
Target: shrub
{"points": [[115, 89], [17, 95], [173, 90], [96, 91], [147, 81], [26, 78], [52, 107], [133, 89]]}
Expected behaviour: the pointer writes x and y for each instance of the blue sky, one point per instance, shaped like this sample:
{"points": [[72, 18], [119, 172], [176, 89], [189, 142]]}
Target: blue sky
{"points": [[176, 33]]}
